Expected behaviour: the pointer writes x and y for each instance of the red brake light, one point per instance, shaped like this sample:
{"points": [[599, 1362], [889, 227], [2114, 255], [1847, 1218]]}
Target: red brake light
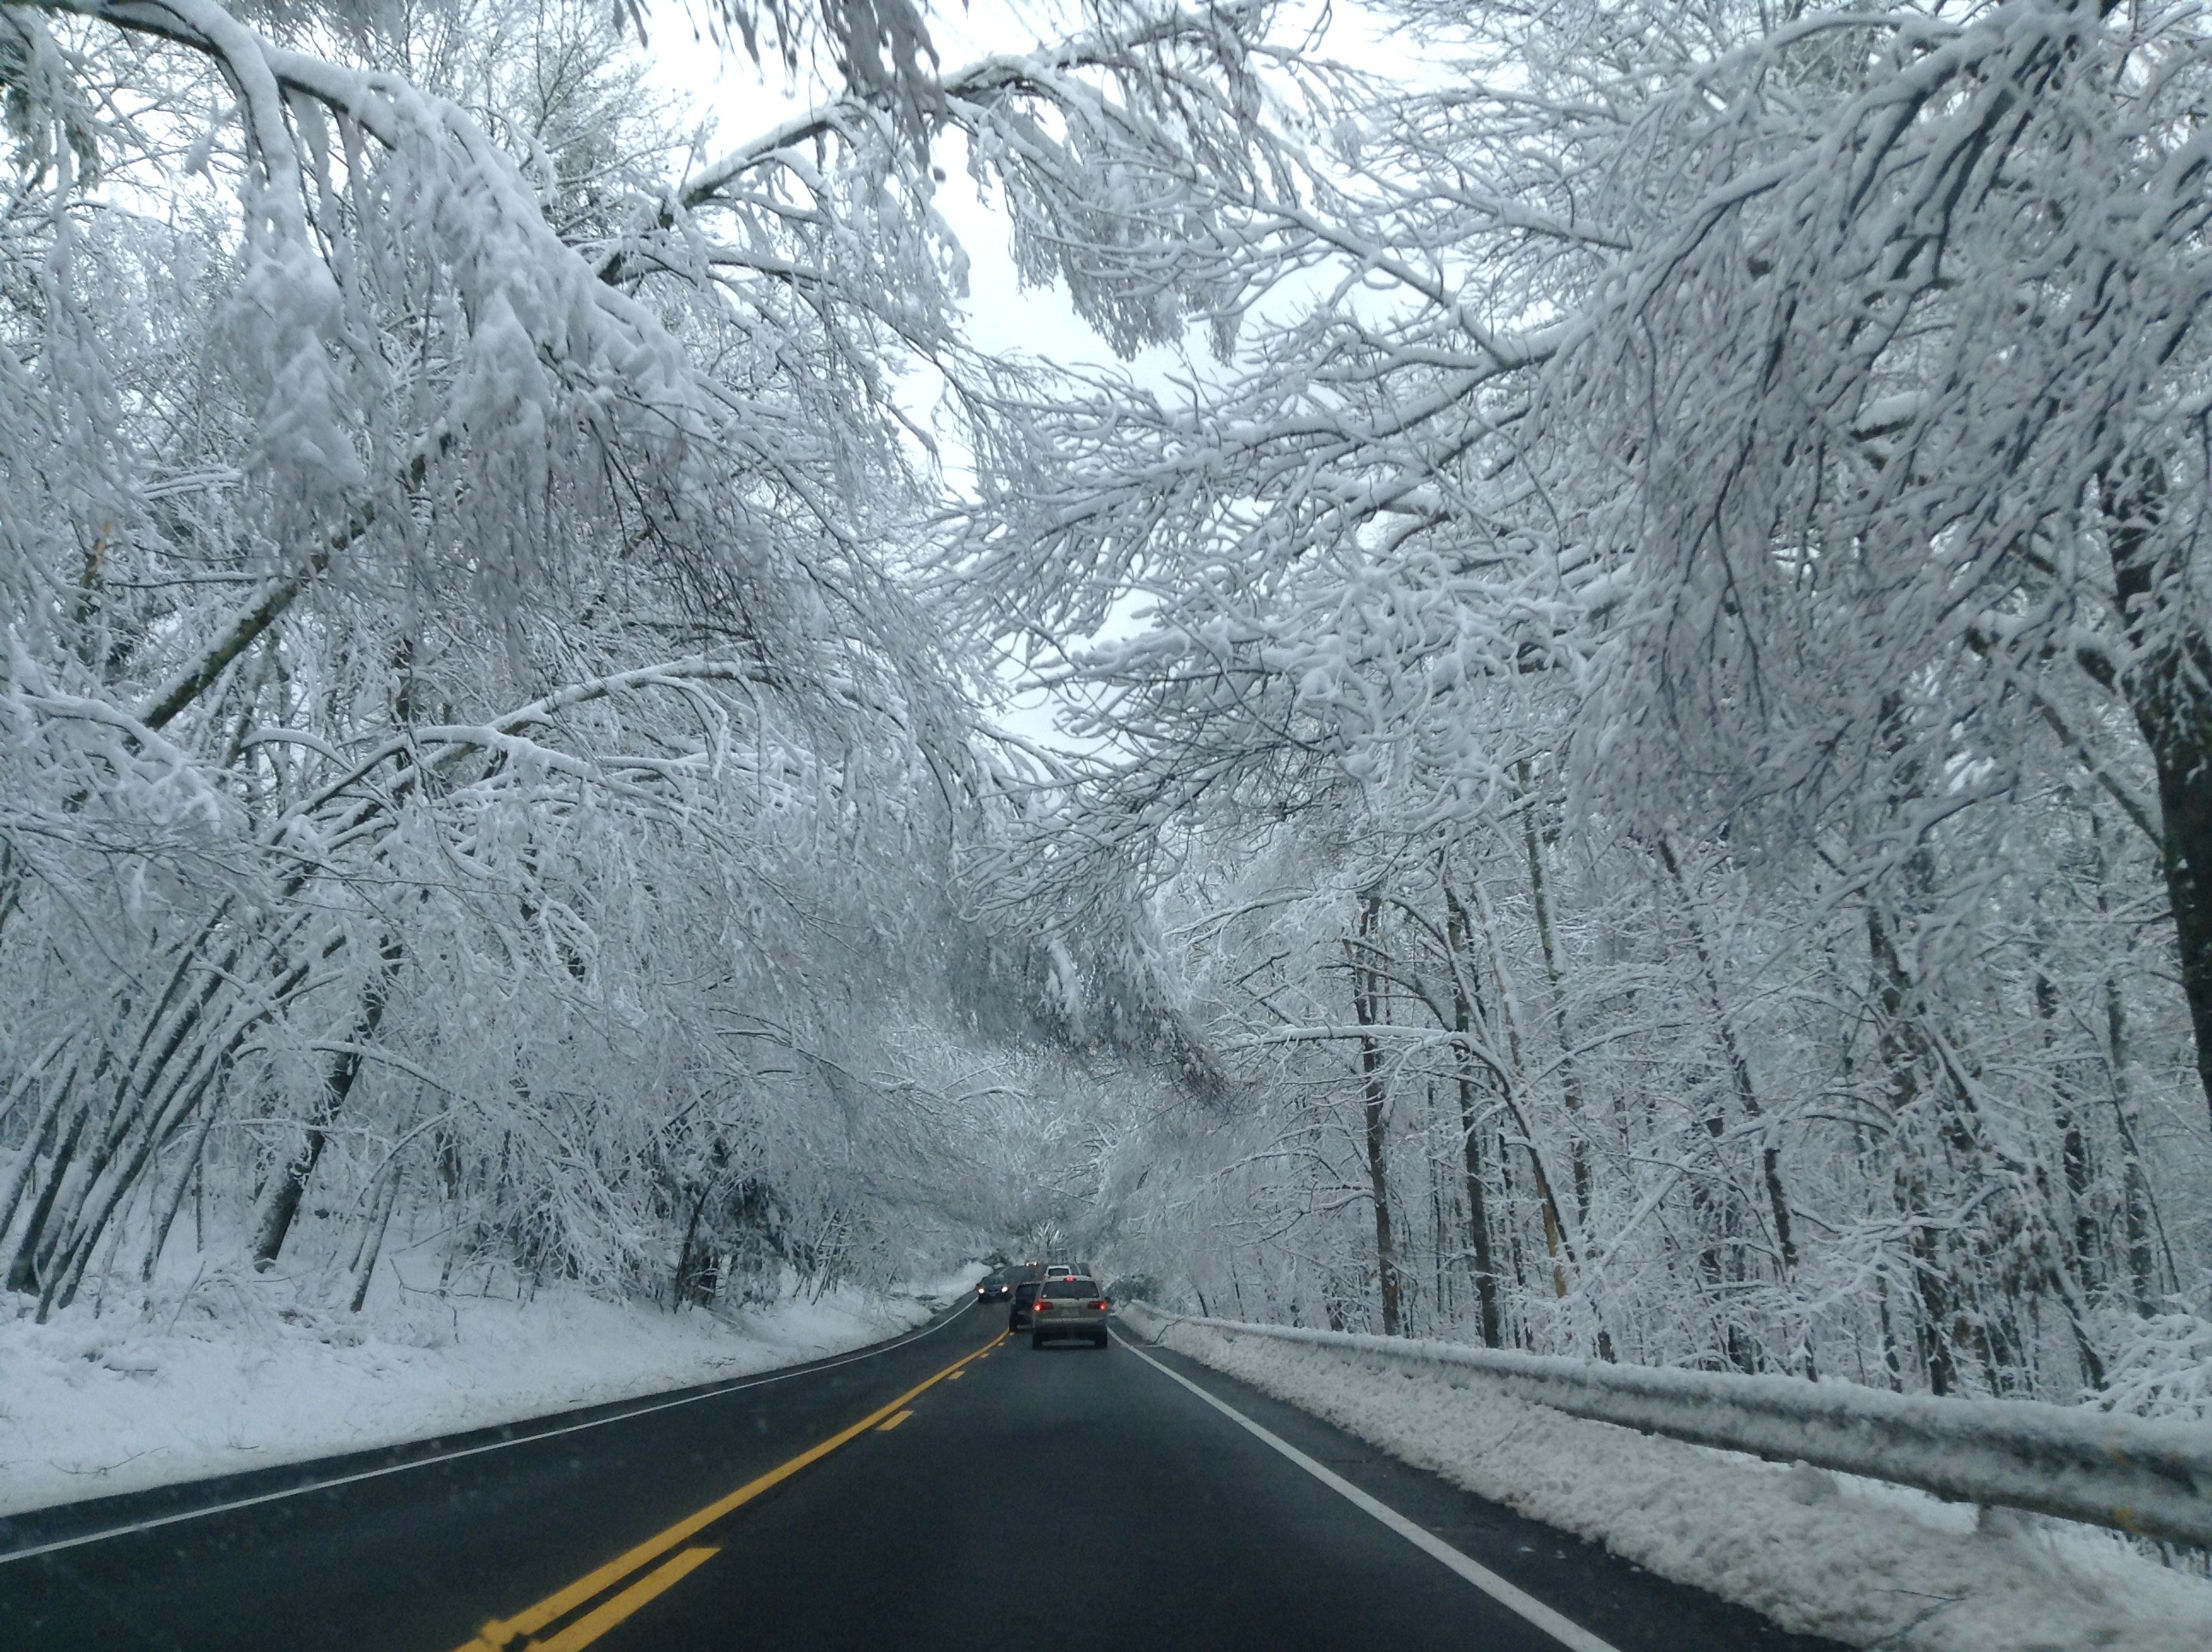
{"points": [[1041, 1306], [1100, 1306]]}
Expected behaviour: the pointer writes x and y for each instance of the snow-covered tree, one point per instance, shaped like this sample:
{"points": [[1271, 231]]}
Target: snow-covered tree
{"points": [[1719, 485], [469, 741]]}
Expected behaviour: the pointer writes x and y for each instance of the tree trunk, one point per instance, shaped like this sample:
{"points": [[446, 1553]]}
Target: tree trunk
{"points": [[1513, 1239], [1366, 1007], [2074, 1270], [1556, 1240], [1569, 1079], [2086, 1242], [1914, 1066], [281, 1205], [1903, 1053], [1478, 1214], [2135, 1190], [119, 1175], [685, 1285], [23, 1270], [373, 1241], [23, 1173], [187, 1177], [2168, 687], [1747, 1095]]}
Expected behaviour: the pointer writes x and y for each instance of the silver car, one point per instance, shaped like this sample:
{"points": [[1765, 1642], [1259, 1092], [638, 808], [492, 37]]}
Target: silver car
{"points": [[1073, 1307]]}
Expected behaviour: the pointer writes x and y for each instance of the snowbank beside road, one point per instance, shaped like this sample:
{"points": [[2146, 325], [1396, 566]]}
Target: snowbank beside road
{"points": [[1866, 1563], [241, 1376]]}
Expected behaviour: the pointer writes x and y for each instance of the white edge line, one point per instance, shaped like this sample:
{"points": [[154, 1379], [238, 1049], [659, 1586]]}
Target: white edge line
{"points": [[1565, 1631], [736, 1385]]}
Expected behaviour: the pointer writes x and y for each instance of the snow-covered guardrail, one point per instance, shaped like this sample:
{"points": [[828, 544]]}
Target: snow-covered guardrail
{"points": [[2150, 1478]]}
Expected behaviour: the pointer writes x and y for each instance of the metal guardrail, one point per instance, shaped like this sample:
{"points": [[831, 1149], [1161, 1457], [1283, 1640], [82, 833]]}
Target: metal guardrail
{"points": [[2153, 1479]]}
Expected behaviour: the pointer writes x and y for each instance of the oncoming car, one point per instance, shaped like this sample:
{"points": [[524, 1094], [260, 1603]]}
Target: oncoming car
{"points": [[1070, 1306], [994, 1287]]}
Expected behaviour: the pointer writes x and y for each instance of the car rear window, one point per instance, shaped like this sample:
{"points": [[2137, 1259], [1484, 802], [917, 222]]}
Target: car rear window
{"points": [[1025, 1289], [1062, 1290]]}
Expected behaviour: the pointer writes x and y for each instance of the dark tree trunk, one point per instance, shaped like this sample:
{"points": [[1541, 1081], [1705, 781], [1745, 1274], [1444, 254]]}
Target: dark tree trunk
{"points": [[2074, 1157], [2169, 689], [1512, 1233], [373, 1241], [690, 1272], [1557, 1245], [1366, 1007], [23, 1272], [281, 1205], [1569, 1079], [1478, 1213]]}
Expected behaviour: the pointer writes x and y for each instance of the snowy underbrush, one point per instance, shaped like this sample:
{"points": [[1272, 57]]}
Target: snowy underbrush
{"points": [[1867, 1564], [2160, 1366], [243, 1371]]}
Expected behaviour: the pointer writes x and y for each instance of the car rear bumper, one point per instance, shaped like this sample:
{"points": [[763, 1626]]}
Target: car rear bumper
{"points": [[1089, 1327]]}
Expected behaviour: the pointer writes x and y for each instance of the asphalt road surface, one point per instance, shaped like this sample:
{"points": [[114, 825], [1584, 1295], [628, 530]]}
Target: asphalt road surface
{"points": [[954, 1489]]}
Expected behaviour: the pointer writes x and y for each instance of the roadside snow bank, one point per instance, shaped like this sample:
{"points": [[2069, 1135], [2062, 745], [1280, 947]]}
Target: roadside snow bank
{"points": [[1862, 1562], [240, 1375]]}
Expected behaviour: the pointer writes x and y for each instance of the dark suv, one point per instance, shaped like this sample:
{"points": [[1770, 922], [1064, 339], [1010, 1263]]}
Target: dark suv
{"points": [[1025, 1296]]}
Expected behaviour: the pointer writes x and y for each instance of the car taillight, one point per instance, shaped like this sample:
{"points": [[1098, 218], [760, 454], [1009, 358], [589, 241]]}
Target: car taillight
{"points": [[1100, 1306], [1040, 1306]]}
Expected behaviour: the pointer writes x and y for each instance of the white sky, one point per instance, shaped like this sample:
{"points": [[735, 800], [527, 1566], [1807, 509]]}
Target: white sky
{"points": [[727, 90], [730, 92]]}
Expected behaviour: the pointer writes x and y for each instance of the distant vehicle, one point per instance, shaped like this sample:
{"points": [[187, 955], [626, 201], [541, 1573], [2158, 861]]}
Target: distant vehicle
{"points": [[1025, 1293], [994, 1287], [1070, 1307], [1059, 1271]]}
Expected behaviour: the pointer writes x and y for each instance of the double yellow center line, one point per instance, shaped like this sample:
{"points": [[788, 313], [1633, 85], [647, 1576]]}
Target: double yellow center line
{"points": [[502, 1633]]}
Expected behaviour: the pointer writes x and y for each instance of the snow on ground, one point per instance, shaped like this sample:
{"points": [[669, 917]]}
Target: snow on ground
{"points": [[239, 1374], [1868, 1563]]}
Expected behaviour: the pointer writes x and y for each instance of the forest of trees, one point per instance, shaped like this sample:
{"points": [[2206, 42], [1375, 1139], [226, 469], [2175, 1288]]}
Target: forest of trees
{"points": [[1635, 759]]}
